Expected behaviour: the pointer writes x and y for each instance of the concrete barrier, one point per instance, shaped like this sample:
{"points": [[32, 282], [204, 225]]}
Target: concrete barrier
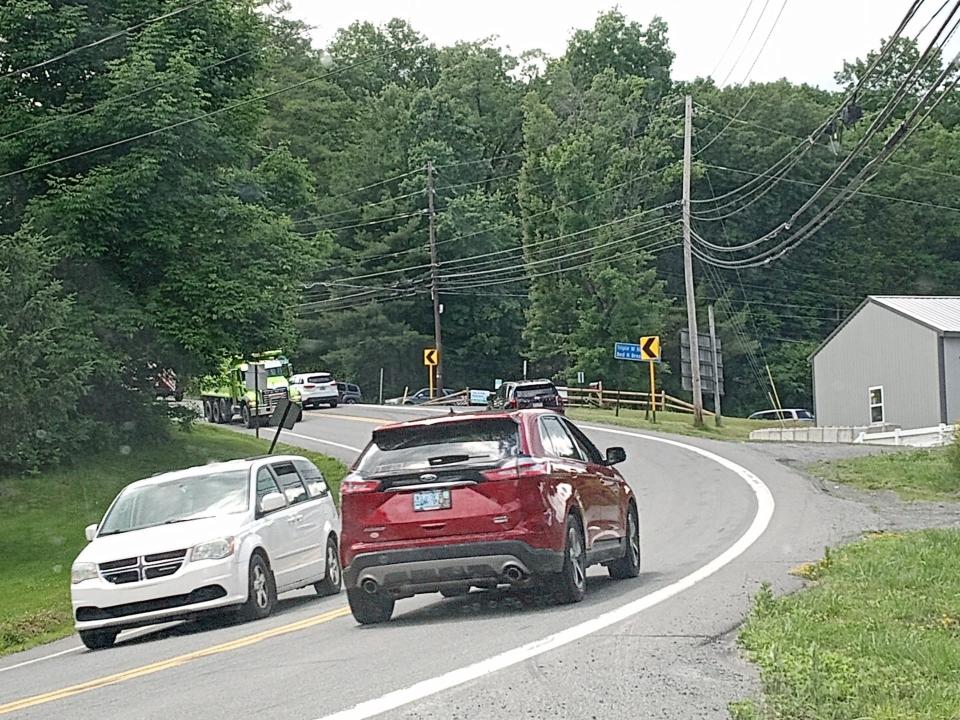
{"points": [[920, 437]]}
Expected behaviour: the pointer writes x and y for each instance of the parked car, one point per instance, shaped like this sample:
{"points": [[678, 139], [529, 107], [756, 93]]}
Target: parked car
{"points": [[349, 393], [787, 414], [316, 389], [419, 397], [222, 536], [520, 394], [519, 498]]}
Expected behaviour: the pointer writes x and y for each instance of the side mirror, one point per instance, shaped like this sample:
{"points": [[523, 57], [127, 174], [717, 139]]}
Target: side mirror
{"points": [[272, 501], [90, 532], [616, 455]]}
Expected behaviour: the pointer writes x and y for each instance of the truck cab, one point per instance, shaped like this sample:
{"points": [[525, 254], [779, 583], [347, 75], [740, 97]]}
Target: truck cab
{"points": [[250, 388]]}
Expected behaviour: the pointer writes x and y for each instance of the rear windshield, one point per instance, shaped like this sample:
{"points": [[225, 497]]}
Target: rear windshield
{"points": [[319, 378], [533, 391], [422, 447], [804, 414]]}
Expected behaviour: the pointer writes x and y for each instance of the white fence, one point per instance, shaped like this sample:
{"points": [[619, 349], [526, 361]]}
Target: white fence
{"points": [[922, 437]]}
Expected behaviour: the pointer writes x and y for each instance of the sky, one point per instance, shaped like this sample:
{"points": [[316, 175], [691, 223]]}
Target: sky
{"points": [[807, 45]]}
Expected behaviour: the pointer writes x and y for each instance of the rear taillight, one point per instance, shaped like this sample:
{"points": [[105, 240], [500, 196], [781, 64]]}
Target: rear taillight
{"points": [[355, 485], [333, 384], [309, 387], [518, 469]]}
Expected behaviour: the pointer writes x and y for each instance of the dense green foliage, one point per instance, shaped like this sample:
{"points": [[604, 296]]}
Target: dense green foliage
{"points": [[286, 207], [876, 636]]}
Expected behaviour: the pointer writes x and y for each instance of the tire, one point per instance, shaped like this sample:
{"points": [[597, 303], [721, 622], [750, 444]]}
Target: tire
{"points": [[299, 415], [330, 585], [99, 639], [369, 609], [249, 420], [178, 396], [629, 565], [208, 410], [333, 403], [261, 590], [215, 411], [570, 584], [226, 411], [350, 401]]}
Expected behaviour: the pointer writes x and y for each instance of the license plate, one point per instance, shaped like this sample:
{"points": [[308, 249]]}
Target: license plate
{"points": [[431, 500], [538, 404]]}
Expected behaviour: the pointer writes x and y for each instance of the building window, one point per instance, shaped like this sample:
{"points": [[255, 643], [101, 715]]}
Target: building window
{"points": [[877, 415]]}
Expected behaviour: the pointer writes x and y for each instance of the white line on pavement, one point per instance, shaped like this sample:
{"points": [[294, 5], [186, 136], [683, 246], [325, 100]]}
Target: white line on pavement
{"points": [[432, 686], [325, 442], [125, 635]]}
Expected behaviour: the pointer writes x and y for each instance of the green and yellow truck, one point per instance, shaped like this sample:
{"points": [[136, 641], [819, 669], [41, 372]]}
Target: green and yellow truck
{"points": [[250, 389]]}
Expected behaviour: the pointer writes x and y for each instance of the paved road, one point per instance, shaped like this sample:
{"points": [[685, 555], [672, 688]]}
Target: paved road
{"points": [[717, 520]]}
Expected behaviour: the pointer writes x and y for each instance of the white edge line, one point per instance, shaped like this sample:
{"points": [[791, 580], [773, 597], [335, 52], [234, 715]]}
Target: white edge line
{"points": [[125, 635], [351, 448], [432, 686]]}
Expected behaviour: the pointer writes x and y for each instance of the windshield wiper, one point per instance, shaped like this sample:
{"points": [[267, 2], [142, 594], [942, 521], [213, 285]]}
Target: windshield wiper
{"points": [[187, 519]]}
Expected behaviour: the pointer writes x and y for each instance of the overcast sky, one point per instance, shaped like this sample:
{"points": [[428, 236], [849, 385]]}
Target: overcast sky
{"points": [[808, 44]]}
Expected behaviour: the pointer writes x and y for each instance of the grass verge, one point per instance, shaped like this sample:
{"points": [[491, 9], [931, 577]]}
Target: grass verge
{"points": [[912, 474], [44, 517], [677, 423], [876, 636]]}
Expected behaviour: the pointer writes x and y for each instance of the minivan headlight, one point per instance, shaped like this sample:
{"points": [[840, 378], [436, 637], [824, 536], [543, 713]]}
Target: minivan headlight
{"points": [[213, 550], [83, 571]]}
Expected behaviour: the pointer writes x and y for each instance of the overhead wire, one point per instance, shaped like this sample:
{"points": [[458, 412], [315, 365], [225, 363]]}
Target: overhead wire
{"points": [[101, 41]]}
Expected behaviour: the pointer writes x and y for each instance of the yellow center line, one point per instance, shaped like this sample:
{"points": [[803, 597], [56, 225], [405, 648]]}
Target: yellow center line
{"points": [[171, 662]]}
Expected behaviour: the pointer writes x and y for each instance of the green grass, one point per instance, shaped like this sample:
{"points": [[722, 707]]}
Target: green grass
{"points": [[44, 517], [671, 422], [877, 635], [912, 474]]}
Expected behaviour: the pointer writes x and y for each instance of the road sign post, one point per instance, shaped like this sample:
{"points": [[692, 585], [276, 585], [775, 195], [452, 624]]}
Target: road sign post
{"points": [[652, 401], [431, 358]]}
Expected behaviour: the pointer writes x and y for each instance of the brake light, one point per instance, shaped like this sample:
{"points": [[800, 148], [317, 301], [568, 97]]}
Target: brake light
{"points": [[518, 470], [309, 387], [355, 485]]}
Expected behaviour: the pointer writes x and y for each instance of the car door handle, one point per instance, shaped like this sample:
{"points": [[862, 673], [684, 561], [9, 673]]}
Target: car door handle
{"points": [[295, 519]]}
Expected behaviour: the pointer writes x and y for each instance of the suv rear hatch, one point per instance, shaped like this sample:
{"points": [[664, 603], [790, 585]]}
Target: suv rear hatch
{"points": [[435, 480], [531, 395]]}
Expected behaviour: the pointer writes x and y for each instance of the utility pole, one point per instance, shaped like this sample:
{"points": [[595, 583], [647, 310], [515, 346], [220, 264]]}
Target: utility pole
{"points": [[688, 267], [717, 415], [434, 280]]}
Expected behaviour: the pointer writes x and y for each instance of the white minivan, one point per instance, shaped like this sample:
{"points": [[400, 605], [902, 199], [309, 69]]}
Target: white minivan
{"points": [[225, 535]]}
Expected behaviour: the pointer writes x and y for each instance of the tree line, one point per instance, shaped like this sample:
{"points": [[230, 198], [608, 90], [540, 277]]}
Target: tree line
{"points": [[212, 184]]}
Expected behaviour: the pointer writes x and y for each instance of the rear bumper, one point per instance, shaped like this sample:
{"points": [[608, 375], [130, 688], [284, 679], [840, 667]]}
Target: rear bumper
{"points": [[419, 570]]}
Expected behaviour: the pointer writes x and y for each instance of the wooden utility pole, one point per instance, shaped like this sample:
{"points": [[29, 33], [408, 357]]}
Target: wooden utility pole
{"points": [[688, 267], [716, 368], [434, 280]]}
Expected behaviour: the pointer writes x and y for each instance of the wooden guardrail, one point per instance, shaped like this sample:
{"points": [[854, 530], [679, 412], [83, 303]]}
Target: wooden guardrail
{"points": [[602, 397]]}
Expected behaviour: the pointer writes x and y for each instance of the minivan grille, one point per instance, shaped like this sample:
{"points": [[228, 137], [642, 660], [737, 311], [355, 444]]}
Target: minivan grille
{"points": [[146, 567]]}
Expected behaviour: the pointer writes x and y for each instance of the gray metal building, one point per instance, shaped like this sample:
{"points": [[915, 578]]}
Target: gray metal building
{"points": [[894, 361]]}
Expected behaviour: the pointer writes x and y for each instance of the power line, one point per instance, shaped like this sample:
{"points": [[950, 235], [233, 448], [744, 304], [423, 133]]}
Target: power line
{"points": [[196, 118], [733, 37], [746, 44], [101, 41]]}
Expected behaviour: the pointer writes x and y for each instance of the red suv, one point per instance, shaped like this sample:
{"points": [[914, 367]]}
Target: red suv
{"points": [[481, 500]]}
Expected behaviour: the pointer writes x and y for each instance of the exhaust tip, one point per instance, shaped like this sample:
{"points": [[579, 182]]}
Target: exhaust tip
{"points": [[513, 573], [369, 586]]}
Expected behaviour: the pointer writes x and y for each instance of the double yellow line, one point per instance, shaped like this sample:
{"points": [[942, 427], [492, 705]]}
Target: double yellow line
{"points": [[172, 662]]}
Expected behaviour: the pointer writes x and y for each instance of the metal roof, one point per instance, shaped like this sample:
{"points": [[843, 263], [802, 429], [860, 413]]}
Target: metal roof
{"points": [[941, 313]]}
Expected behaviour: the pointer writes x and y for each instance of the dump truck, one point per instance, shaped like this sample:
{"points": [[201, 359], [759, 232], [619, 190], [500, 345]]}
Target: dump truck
{"points": [[249, 388]]}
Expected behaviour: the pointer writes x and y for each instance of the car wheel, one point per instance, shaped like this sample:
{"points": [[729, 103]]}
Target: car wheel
{"points": [[208, 410], [299, 415], [99, 639], [249, 420], [261, 590], [351, 401], [369, 609], [330, 585], [571, 583], [226, 411], [333, 403], [629, 565], [215, 411]]}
